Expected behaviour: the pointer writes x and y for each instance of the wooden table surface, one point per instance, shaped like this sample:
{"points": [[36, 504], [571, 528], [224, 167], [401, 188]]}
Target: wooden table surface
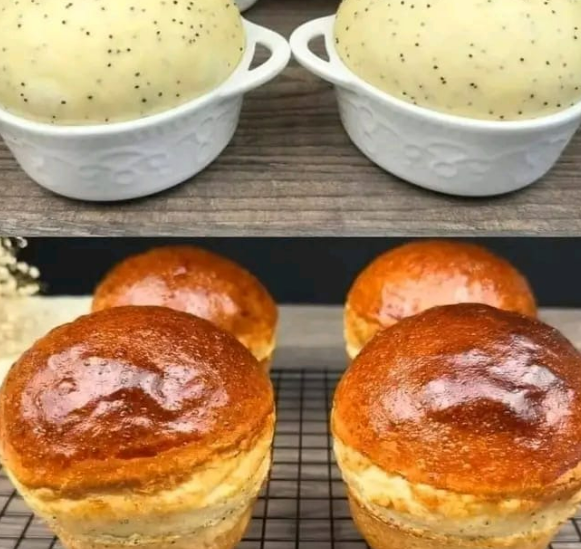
{"points": [[291, 170]]}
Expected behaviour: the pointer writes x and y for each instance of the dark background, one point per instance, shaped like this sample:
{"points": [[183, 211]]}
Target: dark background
{"points": [[303, 270]]}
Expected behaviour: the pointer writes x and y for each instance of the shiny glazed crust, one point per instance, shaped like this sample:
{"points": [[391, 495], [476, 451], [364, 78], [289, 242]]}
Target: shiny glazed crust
{"points": [[419, 275], [384, 535], [199, 282], [467, 398], [130, 398]]}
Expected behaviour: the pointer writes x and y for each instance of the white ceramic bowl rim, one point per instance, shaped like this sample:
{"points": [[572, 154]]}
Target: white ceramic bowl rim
{"points": [[336, 72], [240, 81], [245, 4]]}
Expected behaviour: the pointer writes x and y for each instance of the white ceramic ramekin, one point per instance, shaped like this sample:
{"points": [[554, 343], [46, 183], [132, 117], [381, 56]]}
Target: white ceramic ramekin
{"points": [[445, 153], [245, 4], [137, 158]]}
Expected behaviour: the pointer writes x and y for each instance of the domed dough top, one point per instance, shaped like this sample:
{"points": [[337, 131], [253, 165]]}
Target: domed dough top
{"points": [[99, 61], [494, 60]]}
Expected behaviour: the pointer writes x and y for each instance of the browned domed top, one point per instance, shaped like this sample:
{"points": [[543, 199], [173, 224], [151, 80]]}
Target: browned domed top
{"points": [[112, 397], [195, 281], [467, 398], [423, 274]]}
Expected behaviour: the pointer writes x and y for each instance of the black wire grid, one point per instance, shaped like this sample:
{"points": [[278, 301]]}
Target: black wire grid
{"points": [[302, 507]]}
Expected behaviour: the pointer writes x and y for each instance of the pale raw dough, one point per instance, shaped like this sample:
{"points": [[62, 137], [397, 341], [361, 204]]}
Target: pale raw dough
{"points": [[495, 59], [85, 62]]}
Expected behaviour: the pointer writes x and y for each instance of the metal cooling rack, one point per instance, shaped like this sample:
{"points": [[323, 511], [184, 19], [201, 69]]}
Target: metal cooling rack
{"points": [[302, 507]]}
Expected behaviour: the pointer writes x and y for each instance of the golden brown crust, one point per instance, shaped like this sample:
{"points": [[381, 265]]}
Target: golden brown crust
{"points": [[423, 274], [358, 331], [384, 535], [195, 281], [467, 398], [129, 397]]}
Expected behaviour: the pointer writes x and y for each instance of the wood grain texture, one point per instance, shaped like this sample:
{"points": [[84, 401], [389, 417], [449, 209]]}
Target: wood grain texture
{"points": [[291, 170]]}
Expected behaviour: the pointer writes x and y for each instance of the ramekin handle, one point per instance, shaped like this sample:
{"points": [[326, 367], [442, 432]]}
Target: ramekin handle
{"points": [[300, 45], [248, 78]]}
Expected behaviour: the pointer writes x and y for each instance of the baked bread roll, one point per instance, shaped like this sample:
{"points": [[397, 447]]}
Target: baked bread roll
{"points": [[460, 428], [198, 282], [141, 427], [416, 276]]}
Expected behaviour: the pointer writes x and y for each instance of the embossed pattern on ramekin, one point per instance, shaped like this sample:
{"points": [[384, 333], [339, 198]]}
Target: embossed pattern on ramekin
{"points": [[136, 163], [435, 155]]}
